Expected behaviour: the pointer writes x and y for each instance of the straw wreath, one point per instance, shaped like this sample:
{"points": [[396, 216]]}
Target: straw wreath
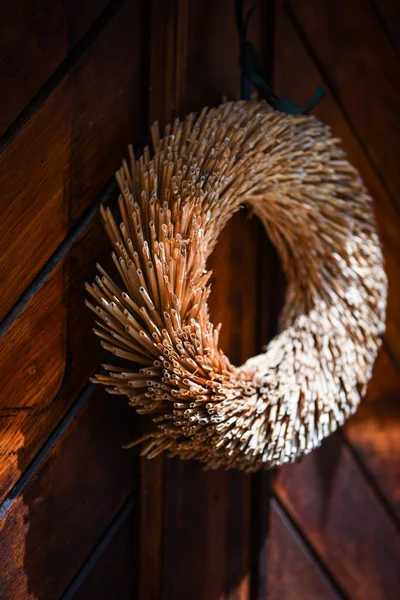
{"points": [[174, 203]]}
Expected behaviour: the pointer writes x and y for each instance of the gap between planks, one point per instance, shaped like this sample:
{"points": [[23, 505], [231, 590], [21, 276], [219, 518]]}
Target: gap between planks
{"points": [[56, 257], [306, 546], [47, 447], [61, 72], [327, 82], [112, 529]]}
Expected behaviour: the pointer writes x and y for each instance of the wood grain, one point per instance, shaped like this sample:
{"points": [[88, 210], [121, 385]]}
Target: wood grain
{"points": [[362, 67], [208, 66], [389, 12], [48, 356], [204, 546], [296, 78], [290, 568], [327, 495], [53, 526], [332, 503], [374, 431], [116, 559], [52, 170], [35, 38], [194, 534]]}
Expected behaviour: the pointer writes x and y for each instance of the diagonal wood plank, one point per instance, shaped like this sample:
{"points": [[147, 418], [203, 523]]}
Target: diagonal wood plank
{"points": [[326, 494], [329, 499], [54, 524], [115, 558], [35, 38], [296, 77], [50, 173], [290, 568], [374, 432], [151, 476], [345, 44], [47, 356], [389, 13]]}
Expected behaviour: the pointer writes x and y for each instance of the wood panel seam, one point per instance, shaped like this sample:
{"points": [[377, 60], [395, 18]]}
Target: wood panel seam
{"points": [[56, 257], [332, 90], [107, 537], [60, 73], [308, 548], [45, 450], [366, 474], [370, 480], [382, 21]]}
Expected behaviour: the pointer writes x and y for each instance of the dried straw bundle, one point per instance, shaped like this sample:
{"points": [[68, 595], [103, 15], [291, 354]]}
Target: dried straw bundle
{"points": [[313, 204]]}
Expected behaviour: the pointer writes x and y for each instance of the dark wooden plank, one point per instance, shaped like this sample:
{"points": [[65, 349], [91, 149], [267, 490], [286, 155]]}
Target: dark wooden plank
{"points": [[53, 526], [362, 66], [113, 575], [296, 77], [48, 355], [290, 569], [331, 502], [374, 431], [207, 534], [52, 170], [149, 546], [208, 66], [327, 495], [205, 543], [35, 38], [389, 13], [162, 91]]}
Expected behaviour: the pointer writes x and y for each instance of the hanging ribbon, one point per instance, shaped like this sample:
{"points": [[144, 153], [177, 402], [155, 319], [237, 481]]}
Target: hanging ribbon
{"points": [[251, 73]]}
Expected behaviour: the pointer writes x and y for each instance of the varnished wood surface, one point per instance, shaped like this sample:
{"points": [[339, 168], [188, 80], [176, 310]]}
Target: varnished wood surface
{"points": [[374, 431], [52, 521], [47, 357], [362, 72], [331, 494], [115, 558], [70, 148], [53, 525], [342, 518], [83, 518], [36, 37], [290, 567], [149, 519], [388, 12]]}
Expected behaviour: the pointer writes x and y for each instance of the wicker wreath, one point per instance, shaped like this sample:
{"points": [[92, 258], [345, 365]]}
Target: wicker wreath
{"points": [[280, 404]]}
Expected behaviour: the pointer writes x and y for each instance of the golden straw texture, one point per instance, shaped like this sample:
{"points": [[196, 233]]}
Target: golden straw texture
{"points": [[173, 204]]}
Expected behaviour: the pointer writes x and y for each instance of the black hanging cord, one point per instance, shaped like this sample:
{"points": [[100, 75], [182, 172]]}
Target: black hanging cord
{"points": [[251, 73]]}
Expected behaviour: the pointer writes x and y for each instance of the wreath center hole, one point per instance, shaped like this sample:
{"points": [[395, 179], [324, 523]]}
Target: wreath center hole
{"points": [[247, 287]]}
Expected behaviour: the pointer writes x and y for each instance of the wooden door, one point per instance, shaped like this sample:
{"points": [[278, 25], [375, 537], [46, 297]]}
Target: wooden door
{"points": [[81, 518]]}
